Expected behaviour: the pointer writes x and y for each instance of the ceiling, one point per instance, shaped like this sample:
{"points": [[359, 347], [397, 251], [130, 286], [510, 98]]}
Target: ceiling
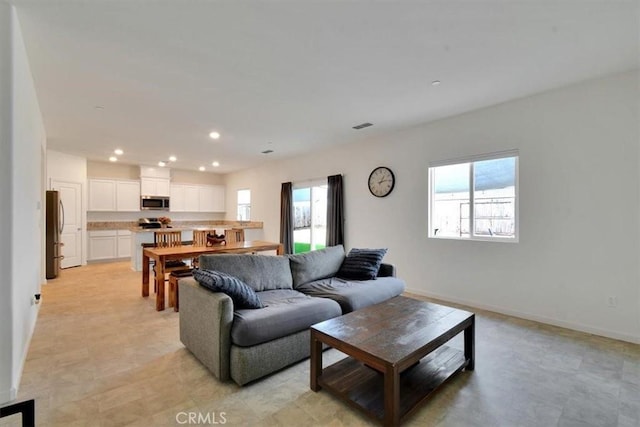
{"points": [[155, 77]]}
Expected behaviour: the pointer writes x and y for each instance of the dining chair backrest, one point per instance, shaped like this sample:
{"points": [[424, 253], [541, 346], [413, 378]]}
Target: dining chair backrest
{"points": [[234, 235], [167, 239], [200, 237]]}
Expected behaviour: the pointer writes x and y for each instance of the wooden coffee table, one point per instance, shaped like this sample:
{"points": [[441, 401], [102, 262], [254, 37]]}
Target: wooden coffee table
{"points": [[397, 357]]}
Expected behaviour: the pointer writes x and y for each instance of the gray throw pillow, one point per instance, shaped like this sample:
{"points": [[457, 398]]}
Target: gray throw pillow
{"points": [[362, 264], [315, 265], [241, 294]]}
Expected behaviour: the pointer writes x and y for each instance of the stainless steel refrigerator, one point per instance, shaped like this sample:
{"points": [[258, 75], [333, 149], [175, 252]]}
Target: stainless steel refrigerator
{"points": [[54, 228]]}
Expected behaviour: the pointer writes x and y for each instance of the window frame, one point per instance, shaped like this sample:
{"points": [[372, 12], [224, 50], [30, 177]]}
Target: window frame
{"points": [[471, 160], [239, 205]]}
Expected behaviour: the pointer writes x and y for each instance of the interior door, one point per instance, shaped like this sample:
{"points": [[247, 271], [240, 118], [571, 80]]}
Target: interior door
{"points": [[71, 214]]}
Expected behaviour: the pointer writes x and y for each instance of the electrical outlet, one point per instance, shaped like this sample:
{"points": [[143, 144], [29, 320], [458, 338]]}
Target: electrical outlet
{"points": [[612, 301]]}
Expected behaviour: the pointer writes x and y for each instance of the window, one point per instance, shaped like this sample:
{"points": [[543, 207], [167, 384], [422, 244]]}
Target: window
{"points": [[310, 217], [475, 199], [244, 205]]}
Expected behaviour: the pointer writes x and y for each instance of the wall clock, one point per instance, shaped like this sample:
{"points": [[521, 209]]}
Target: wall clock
{"points": [[381, 181]]}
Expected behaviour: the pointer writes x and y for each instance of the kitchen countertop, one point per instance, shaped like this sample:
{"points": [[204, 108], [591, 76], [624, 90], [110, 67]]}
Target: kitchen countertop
{"points": [[175, 225]]}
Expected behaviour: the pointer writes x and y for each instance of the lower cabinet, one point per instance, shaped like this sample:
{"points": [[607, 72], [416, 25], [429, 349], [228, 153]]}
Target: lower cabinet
{"points": [[109, 244]]}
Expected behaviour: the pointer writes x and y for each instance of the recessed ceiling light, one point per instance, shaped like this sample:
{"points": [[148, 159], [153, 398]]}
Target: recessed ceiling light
{"points": [[113, 159], [215, 164], [99, 107], [201, 168], [436, 83], [162, 164], [118, 152], [172, 158], [214, 135]]}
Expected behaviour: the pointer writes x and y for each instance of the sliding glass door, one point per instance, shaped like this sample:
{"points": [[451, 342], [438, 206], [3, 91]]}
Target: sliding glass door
{"points": [[310, 217]]}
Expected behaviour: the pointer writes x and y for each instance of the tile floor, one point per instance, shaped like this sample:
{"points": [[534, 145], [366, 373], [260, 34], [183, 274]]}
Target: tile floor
{"points": [[102, 356]]}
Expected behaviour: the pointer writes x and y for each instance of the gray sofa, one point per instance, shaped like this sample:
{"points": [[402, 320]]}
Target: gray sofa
{"points": [[298, 291]]}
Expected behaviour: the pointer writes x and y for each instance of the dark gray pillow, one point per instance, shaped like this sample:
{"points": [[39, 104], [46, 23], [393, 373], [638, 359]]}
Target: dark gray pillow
{"points": [[314, 265], [241, 294], [362, 264]]}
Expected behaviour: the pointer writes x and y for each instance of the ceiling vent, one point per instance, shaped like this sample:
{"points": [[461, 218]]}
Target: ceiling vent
{"points": [[362, 126], [267, 151]]}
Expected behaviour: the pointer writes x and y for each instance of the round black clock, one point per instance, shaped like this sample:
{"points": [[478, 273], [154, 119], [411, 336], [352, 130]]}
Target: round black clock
{"points": [[381, 181]]}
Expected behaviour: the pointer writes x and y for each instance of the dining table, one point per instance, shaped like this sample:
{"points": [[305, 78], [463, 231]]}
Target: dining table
{"points": [[162, 255]]}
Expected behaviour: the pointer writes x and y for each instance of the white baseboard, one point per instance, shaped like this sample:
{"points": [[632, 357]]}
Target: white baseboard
{"points": [[25, 353], [528, 316]]}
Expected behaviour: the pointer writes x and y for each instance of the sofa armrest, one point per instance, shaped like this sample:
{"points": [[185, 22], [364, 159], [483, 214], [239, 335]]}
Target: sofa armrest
{"points": [[205, 325], [387, 270]]}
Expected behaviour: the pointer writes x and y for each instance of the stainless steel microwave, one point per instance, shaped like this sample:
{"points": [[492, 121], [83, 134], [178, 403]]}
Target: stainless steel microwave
{"points": [[154, 203]]}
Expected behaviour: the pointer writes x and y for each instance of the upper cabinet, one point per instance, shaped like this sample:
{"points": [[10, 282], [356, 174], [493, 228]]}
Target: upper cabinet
{"points": [[155, 187], [102, 195], [197, 198], [114, 195], [127, 196], [211, 198], [155, 181]]}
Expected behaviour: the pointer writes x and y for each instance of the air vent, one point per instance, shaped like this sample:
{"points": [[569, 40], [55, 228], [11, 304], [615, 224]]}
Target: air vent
{"points": [[267, 152], [362, 126]]}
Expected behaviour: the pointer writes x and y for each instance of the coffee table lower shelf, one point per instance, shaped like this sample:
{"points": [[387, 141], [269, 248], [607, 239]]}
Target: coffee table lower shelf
{"points": [[363, 387]]}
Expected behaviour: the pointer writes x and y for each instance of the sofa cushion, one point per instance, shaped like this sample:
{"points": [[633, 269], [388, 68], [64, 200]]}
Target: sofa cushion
{"points": [[261, 272], [361, 264], [315, 265], [241, 294], [352, 294], [286, 312]]}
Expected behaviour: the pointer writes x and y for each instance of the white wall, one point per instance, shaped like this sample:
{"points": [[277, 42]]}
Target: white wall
{"points": [[5, 208], [66, 167], [579, 207], [23, 142]]}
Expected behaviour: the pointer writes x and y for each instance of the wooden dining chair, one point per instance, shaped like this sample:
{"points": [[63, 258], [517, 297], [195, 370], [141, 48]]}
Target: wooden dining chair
{"points": [[169, 239], [200, 236], [200, 239], [234, 235]]}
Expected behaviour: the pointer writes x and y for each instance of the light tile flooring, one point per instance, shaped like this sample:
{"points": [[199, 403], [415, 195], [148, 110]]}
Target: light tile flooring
{"points": [[102, 356]]}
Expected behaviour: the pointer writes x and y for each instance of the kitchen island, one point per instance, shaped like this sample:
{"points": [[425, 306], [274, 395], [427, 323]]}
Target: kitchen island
{"points": [[140, 235], [119, 240]]}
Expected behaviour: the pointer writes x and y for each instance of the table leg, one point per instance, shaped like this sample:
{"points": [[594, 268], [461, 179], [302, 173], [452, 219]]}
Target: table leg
{"points": [[145, 275], [391, 396], [470, 344], [160, 284], [316, 362]]}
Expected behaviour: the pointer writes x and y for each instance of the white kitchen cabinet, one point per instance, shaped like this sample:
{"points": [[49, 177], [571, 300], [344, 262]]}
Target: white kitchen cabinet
{"points": [[109, 244], [128, 196], [192, 198], [113, 195], [154, 172], [155, 181], [102, 195], [124, 244], [197, 198], [211, 198], [102, 245], [155, 187], [177, 201]]}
